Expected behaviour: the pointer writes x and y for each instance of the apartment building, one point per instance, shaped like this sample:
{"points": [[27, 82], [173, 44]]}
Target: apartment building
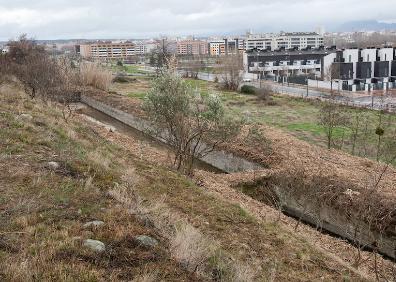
{"points": [[287, 40], [353, 69], [192, 47], [226, 46], [113, 50], [143, 48]]}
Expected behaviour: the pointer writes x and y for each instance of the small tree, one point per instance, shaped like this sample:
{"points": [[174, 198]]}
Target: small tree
{"points": [[354, 127], [379, 131], [161, 55], [331, 117], [185, 119]]}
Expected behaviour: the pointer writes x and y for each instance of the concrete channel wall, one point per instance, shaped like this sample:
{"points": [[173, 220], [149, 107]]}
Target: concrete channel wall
{"points": [[327, 218], [222, 160], [333, 221]]}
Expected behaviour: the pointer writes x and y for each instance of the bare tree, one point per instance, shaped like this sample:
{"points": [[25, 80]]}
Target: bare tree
{"points": [[191, 65], [331, 117], [231, 67], [161, 55], [356, 121], [379, 131], [185, 119], [42, 75], [332, 73]]}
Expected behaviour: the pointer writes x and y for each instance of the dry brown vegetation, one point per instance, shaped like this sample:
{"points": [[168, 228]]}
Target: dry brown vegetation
{"points": [[328, 176], [44, 217], [93, 74], [43, 209]]}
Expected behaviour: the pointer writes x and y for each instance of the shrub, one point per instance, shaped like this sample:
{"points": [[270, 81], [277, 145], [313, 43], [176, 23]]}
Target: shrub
{"points": [[40, 74], [94, 75], [264, 93], [248, 89], [184, 119]]}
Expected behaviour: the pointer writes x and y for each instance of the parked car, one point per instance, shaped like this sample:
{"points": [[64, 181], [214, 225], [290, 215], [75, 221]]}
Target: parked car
{"points": [[247, 80]]}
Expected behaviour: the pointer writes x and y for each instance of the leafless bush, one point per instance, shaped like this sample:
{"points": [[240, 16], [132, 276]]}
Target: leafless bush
{"points": [[41, 75], [94, 75], [264, 93]]}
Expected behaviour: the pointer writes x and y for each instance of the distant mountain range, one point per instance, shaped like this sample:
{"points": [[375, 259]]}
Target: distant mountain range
{"points": [[371, 25]]}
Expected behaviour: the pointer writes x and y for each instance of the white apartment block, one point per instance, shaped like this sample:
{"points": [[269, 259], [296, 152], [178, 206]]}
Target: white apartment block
{"points": [[297, 40]]}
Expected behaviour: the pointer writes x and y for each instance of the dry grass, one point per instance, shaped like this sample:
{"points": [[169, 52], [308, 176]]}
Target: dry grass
{"points": [[243, 273], [192, 249], [147, 277], [94, 75], [42, 210], [188, 245]]}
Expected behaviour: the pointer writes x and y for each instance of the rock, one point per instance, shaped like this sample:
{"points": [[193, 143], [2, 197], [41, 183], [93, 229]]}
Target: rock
{"points": [[53, 165], [94, 224], [146, 241], [25, 116], [94, 245]]}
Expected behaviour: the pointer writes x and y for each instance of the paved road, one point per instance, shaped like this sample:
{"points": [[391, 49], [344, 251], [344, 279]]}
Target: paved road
{"points": [[351, 99]]}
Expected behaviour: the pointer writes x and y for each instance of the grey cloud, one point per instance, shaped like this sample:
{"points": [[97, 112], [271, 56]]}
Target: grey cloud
{"points": [[139, 18]]}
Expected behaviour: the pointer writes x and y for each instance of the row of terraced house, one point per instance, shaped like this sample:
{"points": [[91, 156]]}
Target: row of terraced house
{"points": [[352, 69]]}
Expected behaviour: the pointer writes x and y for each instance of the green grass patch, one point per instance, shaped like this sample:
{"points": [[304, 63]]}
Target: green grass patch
{"points": [[139, 95]]}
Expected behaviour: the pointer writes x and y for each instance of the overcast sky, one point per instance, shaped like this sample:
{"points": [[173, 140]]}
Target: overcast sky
{"points": [[56, 19]]}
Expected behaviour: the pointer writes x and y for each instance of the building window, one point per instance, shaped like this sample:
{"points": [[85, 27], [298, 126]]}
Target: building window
{"points": [[350, 58], [368, 58]]}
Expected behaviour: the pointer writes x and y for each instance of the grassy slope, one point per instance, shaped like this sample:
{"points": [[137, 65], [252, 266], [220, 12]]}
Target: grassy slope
{"points": [[43, 210]]}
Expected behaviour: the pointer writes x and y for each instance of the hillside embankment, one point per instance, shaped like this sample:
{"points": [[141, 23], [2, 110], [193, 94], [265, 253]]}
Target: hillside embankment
{"points": [[330, 183], [322, 186], [81, 201]]}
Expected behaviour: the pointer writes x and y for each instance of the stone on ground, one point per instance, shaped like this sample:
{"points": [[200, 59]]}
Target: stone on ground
{"points": [[93, 224], [95, 245], [146, 241]]}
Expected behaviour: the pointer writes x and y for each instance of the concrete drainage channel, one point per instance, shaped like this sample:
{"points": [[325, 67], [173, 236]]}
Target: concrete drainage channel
{"points": [[227, 162], [221, 160]]}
